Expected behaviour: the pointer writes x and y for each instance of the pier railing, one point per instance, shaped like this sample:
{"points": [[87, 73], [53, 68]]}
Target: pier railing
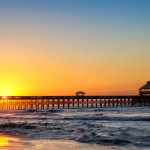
{"points": [[52, 102]]}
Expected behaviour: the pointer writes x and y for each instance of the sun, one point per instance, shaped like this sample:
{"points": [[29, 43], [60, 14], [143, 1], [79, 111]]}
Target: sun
{"points": [[4, 97]]}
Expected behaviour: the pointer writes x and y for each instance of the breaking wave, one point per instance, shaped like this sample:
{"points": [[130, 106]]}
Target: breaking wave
{"points": [[93, 138], [142, 118], [24, 125]]}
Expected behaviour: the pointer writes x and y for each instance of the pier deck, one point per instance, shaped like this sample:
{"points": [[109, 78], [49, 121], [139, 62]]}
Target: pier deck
{"points": [[52, 102]]}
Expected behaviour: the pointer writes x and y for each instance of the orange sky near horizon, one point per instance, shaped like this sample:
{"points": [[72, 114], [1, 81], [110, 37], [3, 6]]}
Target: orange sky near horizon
{"points": [[55, 51]]}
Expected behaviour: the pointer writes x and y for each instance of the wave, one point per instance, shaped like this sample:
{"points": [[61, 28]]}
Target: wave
{"points": [[93, 138], [96, 117], [101, 117], [45, 115], [24, 125]]}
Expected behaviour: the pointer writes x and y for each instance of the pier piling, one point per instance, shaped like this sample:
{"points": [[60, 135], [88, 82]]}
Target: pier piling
{"points": [[52, 102]]}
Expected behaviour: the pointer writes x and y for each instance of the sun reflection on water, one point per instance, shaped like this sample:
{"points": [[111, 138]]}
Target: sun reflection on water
{"points": [[8, 143], [3, 141]]}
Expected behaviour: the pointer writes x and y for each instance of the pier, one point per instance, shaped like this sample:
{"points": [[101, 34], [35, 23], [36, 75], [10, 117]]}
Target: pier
{"points": [[61, 102]]}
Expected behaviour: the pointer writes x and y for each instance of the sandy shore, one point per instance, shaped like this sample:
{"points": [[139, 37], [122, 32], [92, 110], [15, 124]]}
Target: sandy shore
{"points": [[8, 142]]}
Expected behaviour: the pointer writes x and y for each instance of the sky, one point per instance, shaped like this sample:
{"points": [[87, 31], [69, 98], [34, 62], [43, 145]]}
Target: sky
{"points": [[59, 47]]}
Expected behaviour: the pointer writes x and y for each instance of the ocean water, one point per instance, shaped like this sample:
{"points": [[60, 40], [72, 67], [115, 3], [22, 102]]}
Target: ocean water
{"points": [[84, 128]]}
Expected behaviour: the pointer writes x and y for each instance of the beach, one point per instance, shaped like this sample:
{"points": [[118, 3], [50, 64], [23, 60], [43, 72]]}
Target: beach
{"points": [[83, 128]]}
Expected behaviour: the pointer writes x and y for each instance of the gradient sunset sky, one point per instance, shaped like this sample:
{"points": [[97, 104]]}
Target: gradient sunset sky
{"points": [[58, 47]]}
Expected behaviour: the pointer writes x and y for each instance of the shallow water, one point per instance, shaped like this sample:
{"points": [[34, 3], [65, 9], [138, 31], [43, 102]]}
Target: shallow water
{"points": [[85, 128]]}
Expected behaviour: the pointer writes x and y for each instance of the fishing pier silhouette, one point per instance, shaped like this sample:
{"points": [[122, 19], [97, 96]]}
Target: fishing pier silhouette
{"points": [[52, 102], [78, 101]]}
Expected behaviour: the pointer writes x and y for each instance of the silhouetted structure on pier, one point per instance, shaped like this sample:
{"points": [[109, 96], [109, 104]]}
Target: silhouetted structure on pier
{"points": [[145, 90], [80, 93]]}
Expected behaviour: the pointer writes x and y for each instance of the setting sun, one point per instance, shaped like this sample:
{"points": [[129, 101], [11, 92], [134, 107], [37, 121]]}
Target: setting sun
{"points": [[4, 97]]}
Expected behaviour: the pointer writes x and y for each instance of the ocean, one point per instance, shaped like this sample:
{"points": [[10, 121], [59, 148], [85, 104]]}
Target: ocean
{"points": [[110, 128]]}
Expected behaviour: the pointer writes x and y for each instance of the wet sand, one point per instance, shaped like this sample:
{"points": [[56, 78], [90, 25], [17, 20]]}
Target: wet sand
{"points": [[8, 142]]}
